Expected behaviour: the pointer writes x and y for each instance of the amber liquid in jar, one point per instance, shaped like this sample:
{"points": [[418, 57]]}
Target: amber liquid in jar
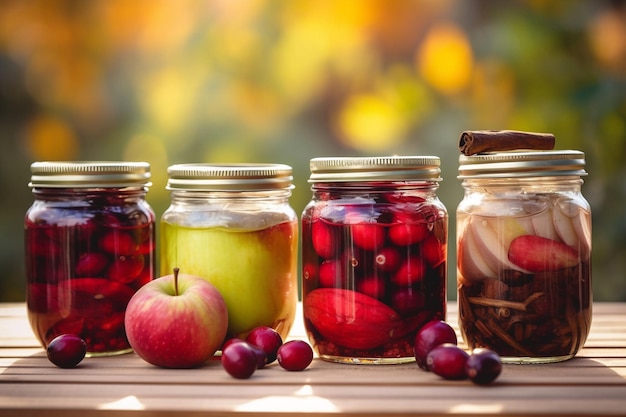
{"points": [[87, 252], [524, 267], [374, 258]]}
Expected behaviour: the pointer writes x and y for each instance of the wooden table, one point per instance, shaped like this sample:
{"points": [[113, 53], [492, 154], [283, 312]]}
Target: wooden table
{"points": [[592, 384]]}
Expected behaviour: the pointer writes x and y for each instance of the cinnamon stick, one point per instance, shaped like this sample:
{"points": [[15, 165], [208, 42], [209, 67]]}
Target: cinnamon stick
{"points": [[480, 141]]}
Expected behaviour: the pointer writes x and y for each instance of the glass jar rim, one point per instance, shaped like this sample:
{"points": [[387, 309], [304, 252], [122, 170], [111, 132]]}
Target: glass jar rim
{"points": [[522, 164], [229, 177], [89, 174], [376, 168]]}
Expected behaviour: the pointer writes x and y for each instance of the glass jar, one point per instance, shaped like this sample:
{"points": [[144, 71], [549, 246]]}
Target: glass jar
{"points": [[374, 256], [233, 225], [524, 255], [89, 245]]}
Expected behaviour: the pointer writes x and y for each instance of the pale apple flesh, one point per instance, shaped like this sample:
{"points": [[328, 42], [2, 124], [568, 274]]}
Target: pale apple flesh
{"points": [[176, 330], [255, 271]]}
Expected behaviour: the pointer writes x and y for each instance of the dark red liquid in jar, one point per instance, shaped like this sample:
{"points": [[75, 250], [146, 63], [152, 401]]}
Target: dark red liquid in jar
{"points": [[374, 271], [86, 255]]}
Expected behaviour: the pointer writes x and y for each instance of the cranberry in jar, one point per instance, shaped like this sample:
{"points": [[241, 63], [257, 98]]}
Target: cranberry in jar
{"points": [[524, 255], [374, 256], [89, 245]]}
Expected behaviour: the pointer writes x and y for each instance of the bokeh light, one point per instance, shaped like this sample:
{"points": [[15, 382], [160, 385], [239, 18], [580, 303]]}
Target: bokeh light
{"points": [[284, 81]]}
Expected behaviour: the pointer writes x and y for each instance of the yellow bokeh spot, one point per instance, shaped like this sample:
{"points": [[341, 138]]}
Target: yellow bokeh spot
{"points": [[371, 123], [49, 138], [445, 58], [167, 98]]}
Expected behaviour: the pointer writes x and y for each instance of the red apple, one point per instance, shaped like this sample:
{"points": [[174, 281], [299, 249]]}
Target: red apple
{"points": [[176, 321]]}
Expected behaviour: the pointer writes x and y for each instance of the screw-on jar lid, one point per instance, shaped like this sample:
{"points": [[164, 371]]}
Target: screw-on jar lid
{"points": [[229, 177], [383, 168], [90, 174], [522, 164]]}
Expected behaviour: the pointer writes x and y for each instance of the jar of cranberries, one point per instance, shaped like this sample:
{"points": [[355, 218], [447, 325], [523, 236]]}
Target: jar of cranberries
{"points": [[89, 245], [524, 254], [374, 255], [232, 225]]}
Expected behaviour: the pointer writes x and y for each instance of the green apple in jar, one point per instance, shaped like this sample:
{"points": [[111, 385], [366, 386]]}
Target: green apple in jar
{"points": [[251, 261]]}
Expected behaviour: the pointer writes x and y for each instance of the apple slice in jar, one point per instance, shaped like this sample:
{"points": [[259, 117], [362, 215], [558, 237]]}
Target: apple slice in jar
{"points": [[544, 225], [564, 226], [487, 243], [582, 224], [471, 264], [508, 228], [579, 235]]}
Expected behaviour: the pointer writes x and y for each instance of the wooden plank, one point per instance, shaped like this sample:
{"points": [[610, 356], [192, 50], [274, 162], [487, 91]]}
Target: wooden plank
{"points": [[129, 369], [372, 400], [594, 383]]}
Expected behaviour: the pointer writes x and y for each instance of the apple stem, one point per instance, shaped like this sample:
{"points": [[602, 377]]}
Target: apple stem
{"points": [[176, 280]]}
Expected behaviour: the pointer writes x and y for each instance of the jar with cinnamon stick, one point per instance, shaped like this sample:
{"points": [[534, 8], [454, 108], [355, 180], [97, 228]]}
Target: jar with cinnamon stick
{"points": [[524, 254]]}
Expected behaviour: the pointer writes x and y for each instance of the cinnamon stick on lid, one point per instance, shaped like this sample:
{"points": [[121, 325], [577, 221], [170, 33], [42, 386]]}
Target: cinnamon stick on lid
{"points": [[479, 141]]}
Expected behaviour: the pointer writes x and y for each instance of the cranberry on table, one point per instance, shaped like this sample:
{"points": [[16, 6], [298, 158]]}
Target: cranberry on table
{"points": [[239, 360], [483, 366], [66, 350], [295, 355], [448, 361]]}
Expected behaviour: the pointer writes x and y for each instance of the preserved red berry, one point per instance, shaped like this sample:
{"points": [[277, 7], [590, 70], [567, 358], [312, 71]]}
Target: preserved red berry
{"points": [[405, 234], [412, 271], [331, 273], [388, 259], [366, 233], [373, 286], [324, 240], [91, 264], [408, 300]]}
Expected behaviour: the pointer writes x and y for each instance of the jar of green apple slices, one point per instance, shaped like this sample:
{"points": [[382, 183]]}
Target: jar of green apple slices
{"points": [[374, 256], [232, 225], [524, 254]]}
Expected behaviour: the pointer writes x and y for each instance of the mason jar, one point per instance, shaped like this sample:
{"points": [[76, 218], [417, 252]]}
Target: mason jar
{"points": [[374, 256], [233, 226], [89, 245], [524, 254]]}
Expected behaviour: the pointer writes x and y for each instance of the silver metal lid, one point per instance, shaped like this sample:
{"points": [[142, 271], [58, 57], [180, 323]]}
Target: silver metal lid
{"points": [[229, 177], [379, 168], [90, 174], [522, 164]]}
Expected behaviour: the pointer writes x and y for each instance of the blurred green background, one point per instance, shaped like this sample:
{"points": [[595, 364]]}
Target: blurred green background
{"points": [[284, 81]]}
